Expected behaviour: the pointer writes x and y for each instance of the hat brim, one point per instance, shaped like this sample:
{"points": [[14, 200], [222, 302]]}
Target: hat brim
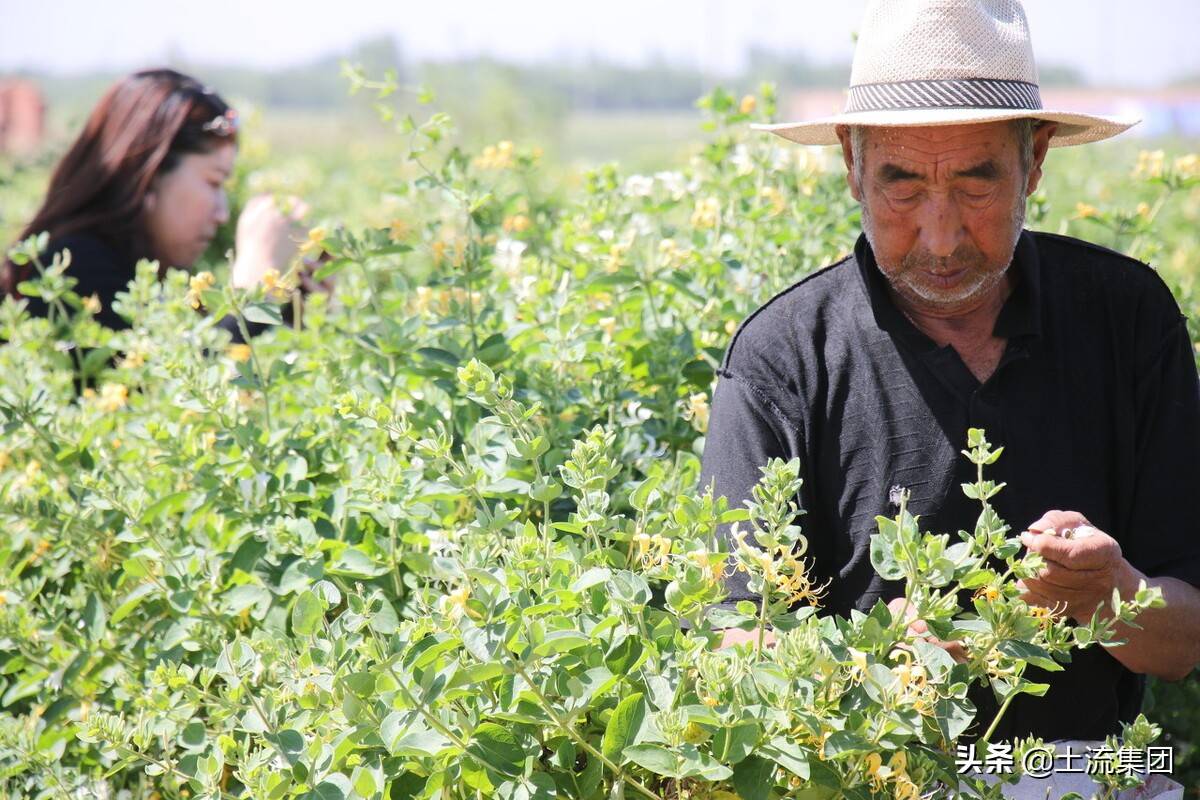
{"points": [[1073, 128]]}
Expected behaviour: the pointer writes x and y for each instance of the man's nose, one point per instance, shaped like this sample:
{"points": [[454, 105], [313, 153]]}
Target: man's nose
{"points": [[941, 226]]}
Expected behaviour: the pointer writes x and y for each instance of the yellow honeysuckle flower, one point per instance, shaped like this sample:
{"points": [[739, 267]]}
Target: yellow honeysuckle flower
{"points": [[876, 771], [1187, 166], [112, 397], [495, 156], [1149, 164], [517, 223], [707, 213], [398, 229], [197, 284], [201, 281], [697, 411], [313, 244], [239, 352], [775, 198]]}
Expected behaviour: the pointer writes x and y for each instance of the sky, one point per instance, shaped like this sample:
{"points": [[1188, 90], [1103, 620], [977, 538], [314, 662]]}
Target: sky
{"points": [[1113, 42]]}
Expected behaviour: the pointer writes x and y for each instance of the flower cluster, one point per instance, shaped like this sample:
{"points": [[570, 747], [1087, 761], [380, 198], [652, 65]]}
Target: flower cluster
{"points": [[197, 285], [496, 156]]}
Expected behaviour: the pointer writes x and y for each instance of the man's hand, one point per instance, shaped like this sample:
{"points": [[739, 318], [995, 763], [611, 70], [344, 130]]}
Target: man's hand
{"points": [[917, 627], [1083, 565]]}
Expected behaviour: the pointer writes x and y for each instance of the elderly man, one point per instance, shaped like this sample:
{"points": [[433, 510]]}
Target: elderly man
{"points": [[948, 315]]}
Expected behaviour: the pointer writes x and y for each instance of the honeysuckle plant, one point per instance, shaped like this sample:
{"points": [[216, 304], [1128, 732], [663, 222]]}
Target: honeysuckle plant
{"points": [[444, 539]]}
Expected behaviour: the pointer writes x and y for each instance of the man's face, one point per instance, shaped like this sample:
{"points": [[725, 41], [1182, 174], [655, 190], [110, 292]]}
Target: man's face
{"points": [[942, 208]]}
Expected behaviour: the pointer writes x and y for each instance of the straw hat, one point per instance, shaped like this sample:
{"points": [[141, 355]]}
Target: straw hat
{"points": [[946, 62]]}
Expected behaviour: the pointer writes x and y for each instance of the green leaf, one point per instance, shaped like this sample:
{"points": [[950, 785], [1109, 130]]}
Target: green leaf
{"points": [[623, 726], [721, 618], [354, 563], [497, 748], [170, 504], [365, 782], [194, 736], [593, 577], [1027, 651], [641, 495], [629, 589], [245, 596], [731, 745], [263, 313], [624, 657], [954, 716], [557, 642], [1035, 689], [883, 559], [937, 661], [410, 741], [753, 778], [655, 758], [334, 787], [131, 601], [94, 618], [788, 755], [332, 268], [307, 614], [685, 761], [545, 489], [439, 355], [842, 744]]}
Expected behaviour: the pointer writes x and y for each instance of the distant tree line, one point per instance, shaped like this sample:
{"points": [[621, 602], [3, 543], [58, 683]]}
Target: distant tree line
{"points": [[550, 87]]}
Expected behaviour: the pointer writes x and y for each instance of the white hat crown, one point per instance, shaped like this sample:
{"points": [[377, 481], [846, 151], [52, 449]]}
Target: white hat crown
{"points": [[904, 40], [946, 62], [943, 54]]}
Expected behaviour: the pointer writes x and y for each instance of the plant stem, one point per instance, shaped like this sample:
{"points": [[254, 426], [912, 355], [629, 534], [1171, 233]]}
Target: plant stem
{"points": [[762, 619], [429, 716], [992, 728], [263, 380], [582, 742]]}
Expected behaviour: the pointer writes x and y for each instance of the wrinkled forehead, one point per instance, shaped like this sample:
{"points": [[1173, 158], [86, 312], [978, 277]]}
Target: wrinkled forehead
{"points": [[937, 144]]}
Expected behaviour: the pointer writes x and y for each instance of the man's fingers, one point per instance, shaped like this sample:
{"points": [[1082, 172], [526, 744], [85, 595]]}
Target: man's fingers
{"points": [[1049, 595], [1097, 551], [1058, 519], [1060, 577]]}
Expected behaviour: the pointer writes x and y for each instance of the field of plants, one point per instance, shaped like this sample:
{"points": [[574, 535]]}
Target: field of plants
{"points": [[446, 539]]}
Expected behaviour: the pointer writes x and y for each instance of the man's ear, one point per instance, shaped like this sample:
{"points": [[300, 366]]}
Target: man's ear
{"points": [[1041, 144], [848, 156]]}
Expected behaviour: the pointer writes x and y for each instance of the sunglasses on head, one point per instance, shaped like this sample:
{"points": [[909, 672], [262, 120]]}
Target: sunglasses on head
{"points": [[222, 125], [206, 101]]}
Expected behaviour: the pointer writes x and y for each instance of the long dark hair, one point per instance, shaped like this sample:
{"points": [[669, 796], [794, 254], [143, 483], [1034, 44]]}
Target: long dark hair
{"points": [[139, 130]]}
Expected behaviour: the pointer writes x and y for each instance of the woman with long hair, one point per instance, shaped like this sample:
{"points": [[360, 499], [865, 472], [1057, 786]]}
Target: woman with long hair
{"points": [[146, 179]]}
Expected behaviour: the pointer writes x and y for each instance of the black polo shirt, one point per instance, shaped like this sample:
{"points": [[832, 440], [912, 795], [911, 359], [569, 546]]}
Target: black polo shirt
{"points": [[1095, 401]]}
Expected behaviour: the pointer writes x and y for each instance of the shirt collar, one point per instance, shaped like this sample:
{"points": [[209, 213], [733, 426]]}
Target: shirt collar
{"points": [[1021, 315]]}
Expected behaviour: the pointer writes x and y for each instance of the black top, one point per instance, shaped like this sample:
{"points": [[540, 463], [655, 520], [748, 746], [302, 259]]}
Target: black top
{"points": [[1095, 400], [103, 269]]}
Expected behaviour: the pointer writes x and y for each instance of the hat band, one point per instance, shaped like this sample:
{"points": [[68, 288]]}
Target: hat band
{"points": [[960, 93]]}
